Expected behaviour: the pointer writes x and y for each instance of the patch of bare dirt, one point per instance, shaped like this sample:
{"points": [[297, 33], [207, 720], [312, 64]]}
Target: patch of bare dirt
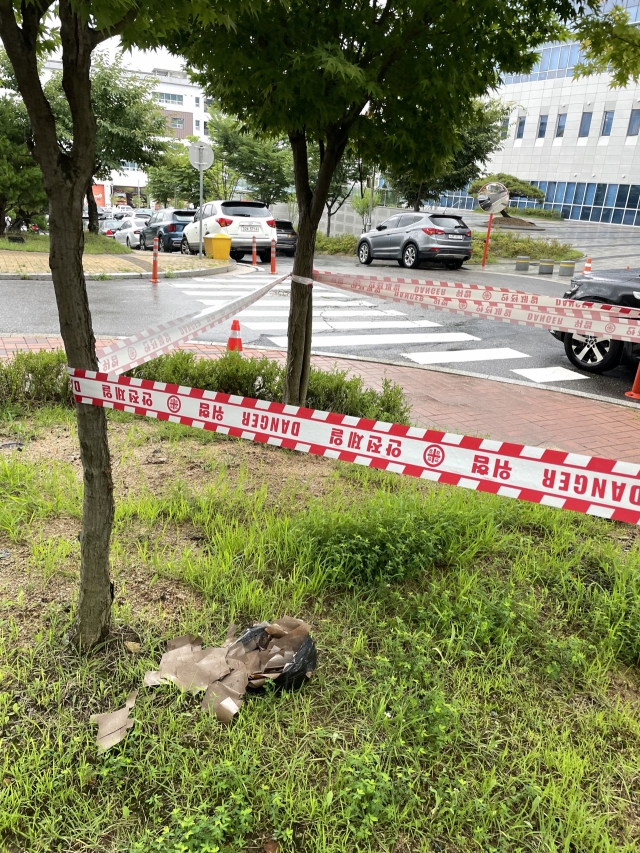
{"points": [[625, 685]]}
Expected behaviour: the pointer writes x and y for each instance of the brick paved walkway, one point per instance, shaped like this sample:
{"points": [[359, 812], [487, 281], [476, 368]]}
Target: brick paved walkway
{"points": [[469, 405], [22, 263]]}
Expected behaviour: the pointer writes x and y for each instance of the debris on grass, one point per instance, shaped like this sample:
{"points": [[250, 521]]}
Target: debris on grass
{"points": [[113, 727]]}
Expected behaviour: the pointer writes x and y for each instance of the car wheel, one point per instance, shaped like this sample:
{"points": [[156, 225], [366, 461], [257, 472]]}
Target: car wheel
{"points": [[410, 256], [184, 247], [265, 257], [453, 265], [161, 243], [128, 243], [591, 354], [143, 243], [364, 253], [290, 254], [236, 256]]}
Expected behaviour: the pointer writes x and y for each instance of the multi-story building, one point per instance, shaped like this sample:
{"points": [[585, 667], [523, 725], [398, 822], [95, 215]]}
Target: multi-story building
{"points": [[576, 139]]}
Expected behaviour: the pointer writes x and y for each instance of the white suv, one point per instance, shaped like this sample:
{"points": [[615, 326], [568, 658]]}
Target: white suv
{"points": [[241, 220]]}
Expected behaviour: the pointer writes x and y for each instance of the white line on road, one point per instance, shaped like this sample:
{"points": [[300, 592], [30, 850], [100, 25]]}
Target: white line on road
{"points": [[379, 340], [349, 325], [321, 312], [550, 374], [282, 302], [452, 356]]}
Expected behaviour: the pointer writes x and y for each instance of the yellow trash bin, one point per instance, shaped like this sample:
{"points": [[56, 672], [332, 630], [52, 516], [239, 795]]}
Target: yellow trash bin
{"points": [[217, 246]]}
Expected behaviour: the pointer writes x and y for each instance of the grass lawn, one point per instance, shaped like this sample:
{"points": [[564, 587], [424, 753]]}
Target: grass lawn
{"points": [[94, 244], [477, 685]]}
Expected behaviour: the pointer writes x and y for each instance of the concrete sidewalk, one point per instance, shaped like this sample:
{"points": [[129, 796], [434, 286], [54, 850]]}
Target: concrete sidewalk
{"points": [[465, 404]]}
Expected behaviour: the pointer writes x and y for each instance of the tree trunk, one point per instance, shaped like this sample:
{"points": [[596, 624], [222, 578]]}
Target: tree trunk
{"points": [[416, 203], [505, 213], [92, 206], [328, 223], [3, 217]]}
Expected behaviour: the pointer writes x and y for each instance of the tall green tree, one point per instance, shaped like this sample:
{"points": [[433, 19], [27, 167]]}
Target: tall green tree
{"points": [[610, 45], [517, 187], [265, 164], [344, 180], [176, 182], [478, 138], [22, 194], [397, 76], [130, 127]]}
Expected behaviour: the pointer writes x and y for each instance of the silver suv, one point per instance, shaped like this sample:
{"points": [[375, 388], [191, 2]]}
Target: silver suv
{"points": [[412, 238]]}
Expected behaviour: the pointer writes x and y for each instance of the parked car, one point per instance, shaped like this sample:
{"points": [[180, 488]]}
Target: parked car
{"points": [[287, 237], [241, 220], [108, 227], [610, 287], [168, 226], [411, 238], [129, 232]]}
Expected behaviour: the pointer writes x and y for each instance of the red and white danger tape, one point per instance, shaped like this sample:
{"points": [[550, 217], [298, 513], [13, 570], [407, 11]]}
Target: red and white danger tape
{"points": [[571, 481], [507, 306], [165, 337]]}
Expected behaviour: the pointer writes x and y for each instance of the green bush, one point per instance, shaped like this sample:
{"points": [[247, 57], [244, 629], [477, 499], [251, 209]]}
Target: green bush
{"points": [[345, 244], [263, 379], [529, 212], [510, 245], [33, 379]]}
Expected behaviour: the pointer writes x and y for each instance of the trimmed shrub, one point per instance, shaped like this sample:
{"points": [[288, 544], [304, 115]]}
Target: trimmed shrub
{"points": [[344, 244], [32, 379]]}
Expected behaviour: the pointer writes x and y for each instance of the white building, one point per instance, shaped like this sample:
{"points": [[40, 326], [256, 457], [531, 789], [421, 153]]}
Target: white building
{"points": [[575, 139]]}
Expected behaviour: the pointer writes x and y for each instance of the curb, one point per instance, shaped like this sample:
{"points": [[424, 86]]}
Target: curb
{"points": [[37, 276]]}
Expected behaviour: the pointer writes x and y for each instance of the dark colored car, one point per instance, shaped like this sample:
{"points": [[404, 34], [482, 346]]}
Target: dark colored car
{"points": [[287, 237], [167, 226], [610, 287], [411, 238]]}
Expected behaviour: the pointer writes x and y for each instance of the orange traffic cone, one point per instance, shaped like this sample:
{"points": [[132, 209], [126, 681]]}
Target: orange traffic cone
{"points": [[587, 266], [234, 342], [635, 391]]}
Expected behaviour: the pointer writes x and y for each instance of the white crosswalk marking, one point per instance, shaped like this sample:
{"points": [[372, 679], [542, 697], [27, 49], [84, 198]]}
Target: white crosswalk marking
{"points": [[350, 325], [452, 356], [550, 374], [377, 340]]}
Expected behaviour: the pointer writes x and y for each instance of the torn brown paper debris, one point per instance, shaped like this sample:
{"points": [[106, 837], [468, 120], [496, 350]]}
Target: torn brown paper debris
{"points": [[113, 727], [223, 701]]}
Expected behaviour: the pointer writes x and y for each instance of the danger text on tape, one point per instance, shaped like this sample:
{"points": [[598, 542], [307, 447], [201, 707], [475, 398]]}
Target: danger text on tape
{"points": [[586, 484]]}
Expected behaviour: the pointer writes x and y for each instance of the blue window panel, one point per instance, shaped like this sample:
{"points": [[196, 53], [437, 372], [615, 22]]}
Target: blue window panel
{"points": [[547, 206], [634, 123], [569, 193], [596, 212], [591, 191], [607, 123], [534, 76], [574, 56], [637, 222], [520, 127], [585, 214], [575, 212], [555, 58], [606, 214], [580, 188], [621, 197], [610, 200], [542, 186], [560, 192], [629, 216], [542, 126], [551, 191], [616, 219], [634, 196], [585, 124], [601, 190], [544, 59], [564, 56], [557, 207], [566, 211]]}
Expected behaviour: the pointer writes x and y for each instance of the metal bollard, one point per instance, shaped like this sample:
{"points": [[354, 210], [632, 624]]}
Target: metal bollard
{"points": [[567, 268], [546, 267], [522, 263]]}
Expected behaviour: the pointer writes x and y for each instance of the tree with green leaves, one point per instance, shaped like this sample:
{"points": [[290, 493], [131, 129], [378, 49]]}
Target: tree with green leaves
{"points": [[265, 164], [130, 126], [343, 182], [610, 45], [22, 194], [29, 30], [363, 204], [175, 181], [517, 187], [478, 138], [394, 79]]}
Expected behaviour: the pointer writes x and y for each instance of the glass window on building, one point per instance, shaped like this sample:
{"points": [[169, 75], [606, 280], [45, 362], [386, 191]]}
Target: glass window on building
{"points": [[520, 128], [607, 122], [168, 98], [634, 123], [542, 126], [206, 128], [177, 123], [197, 101], [504, 128], [561, 124], [197, 124], [585, 124]]}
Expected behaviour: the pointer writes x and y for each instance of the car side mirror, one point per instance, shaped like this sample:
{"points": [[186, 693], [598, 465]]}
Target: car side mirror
{"points": [[381, 228]]}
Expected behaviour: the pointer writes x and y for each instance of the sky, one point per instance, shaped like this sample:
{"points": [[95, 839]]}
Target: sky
{"points": [[144, 60]]}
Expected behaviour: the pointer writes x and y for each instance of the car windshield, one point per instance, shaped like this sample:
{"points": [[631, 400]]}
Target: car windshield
{"points": [[245, 208], [183, 215], [447, 222]]}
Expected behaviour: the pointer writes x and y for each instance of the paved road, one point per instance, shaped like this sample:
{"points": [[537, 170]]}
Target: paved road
{"points": [[343, 324]]}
